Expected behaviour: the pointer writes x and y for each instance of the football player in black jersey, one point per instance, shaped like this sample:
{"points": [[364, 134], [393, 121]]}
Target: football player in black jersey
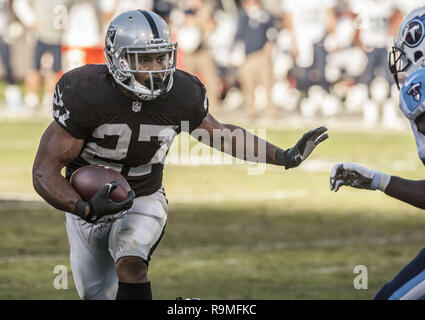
{"points": [[124, 114]]}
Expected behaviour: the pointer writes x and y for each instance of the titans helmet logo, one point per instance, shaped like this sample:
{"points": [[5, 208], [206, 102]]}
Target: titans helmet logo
{"points": [[415, 91], [415, 33]]}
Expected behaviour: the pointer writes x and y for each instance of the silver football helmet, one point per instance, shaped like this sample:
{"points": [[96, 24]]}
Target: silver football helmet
{"points": [[408, 53], [131, 35]]}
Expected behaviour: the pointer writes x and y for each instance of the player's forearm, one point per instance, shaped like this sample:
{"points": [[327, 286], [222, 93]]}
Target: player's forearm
{"points": [[244, 145], [55, 189], [410, 191]]}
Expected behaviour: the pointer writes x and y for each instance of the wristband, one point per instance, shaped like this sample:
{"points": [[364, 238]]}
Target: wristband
{"points": [[280, 157], [380, 181], [80, 209]]}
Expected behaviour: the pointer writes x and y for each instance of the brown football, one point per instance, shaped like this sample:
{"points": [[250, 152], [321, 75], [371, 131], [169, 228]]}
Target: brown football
{"points": [[90, 179]]}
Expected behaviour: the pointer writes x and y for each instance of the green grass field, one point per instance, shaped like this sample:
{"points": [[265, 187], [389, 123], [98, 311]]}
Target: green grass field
{"points": [[230, 235]]}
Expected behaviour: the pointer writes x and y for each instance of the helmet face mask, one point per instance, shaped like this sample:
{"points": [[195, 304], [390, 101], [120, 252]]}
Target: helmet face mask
{"points": [[397, 63], [132, 37], [408, 53]]}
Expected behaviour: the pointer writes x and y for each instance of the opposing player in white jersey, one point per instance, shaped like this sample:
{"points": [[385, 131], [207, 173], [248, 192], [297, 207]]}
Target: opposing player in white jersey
{"points": [[407, 59]]}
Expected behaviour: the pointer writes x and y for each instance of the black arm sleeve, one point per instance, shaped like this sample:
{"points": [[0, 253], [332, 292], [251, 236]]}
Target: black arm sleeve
{"points": [[410, 191]]}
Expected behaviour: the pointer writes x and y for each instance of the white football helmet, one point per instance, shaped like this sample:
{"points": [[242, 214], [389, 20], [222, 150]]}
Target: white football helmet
{"points": [[130, 35], [408, 53]]}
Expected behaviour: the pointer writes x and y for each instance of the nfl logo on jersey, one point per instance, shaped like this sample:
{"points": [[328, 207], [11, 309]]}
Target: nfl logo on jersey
{"points": [[137, 106]]}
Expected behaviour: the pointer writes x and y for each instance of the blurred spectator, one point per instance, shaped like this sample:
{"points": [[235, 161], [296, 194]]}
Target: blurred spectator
{"points": [[285, 94], [309, 23], [407, 6], [373, 18], [255, 34], [163, 8], [45, 20], [373, 37], [326, 55], [12, 93], [220, 43], [196, 57], [4, 46], [345, 61], [395, 21], [109, 9], [82, 42]]}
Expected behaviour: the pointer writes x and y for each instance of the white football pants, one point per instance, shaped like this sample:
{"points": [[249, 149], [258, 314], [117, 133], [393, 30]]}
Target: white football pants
{"points": [[96, 248]]}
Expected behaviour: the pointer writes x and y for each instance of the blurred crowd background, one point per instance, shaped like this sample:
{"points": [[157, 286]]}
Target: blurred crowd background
{"points": [[268, 59]]}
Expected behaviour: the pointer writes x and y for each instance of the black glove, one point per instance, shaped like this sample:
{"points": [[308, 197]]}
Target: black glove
{"points": [[101, 205], [292, 157]]}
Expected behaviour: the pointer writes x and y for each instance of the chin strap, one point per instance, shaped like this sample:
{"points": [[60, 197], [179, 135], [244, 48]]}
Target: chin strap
{"points": [[159, 83]]}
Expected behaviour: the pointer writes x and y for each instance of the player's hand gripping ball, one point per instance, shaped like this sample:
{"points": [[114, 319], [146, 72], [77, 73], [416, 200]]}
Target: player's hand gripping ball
{"points": [[105, 190]]}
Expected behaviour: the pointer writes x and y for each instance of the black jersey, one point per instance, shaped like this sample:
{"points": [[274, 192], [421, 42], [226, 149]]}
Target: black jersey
{"points": [[130, 136]]}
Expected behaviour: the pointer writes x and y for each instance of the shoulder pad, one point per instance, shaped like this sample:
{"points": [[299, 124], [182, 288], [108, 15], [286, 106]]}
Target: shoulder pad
{"points": [[412, 95], [189, 92], [80, 95]]}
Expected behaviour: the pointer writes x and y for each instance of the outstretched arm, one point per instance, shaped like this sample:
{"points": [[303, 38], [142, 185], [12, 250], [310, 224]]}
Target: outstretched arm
{"points": [[410, 191], [242, 144], [357, 176]]}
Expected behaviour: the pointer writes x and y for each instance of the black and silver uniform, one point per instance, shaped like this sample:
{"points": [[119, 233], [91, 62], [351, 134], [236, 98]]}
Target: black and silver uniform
{"points": [[130, 136]]}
